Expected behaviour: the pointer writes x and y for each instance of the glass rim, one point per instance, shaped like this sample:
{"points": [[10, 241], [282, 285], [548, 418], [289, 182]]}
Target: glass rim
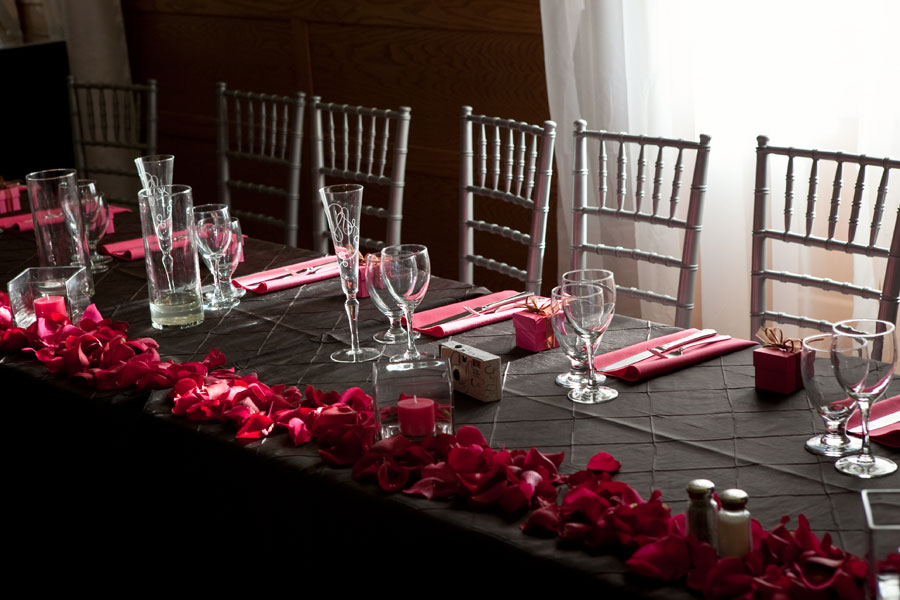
{"points": [[405, 248], [806, 342], [209, 207], [606, 274], [85, 182], [862, 334], [156, 158], [174, 189], [50, 174], [340, 188]]}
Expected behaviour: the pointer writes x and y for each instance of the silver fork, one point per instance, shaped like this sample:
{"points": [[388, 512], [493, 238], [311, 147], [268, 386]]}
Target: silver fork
{"points": [[681, 350]]}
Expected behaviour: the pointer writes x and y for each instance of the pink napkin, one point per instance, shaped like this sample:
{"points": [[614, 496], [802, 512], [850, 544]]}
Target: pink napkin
{"points": [[656, 365], [127, 250], [889, 435], [274, 280], [464, 324], [113, 211], [21, 222]]}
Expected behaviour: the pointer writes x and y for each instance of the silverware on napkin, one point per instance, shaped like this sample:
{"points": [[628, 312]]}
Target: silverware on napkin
{"points": [[479, 310], [634, 358], [307, 271]]}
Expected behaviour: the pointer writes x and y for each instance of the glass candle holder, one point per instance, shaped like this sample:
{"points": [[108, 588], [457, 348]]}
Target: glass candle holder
{"points": [[413, 398], [42, 291]]}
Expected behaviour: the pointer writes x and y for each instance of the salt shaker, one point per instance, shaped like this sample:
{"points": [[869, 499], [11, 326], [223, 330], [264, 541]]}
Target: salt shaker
{"points": [[734, 524], [702, 513]]}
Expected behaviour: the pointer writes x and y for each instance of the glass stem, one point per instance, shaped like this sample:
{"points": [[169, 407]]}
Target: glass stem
{"points": [[589, 349], [217, 292], [352, 306], [410, 346], [864, 453]]}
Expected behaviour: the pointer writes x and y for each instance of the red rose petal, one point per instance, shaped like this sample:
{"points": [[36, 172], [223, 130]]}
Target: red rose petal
{"points": [[603, 461], [468, 435], [667, 559]]}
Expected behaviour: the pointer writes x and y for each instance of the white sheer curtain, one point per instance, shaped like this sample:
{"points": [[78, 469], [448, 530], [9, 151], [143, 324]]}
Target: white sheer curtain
{"points": [[815, 74]]}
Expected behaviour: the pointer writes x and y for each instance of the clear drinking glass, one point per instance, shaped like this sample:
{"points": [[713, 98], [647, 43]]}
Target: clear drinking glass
{"points": [[95, 214], [406, 271], [385, 303], [577, 375], [173, 270], [589, 308], [827, 398], [233, 257], [155, 170], [212, 228], [864, 355], [58, 225], [343, 204]]}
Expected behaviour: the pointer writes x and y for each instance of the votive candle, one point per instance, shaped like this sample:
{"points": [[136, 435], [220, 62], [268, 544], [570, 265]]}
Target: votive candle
{"points": [[416, 416]]}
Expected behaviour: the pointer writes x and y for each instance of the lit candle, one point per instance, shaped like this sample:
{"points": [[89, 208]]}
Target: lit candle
{"points": [[47, 305], [416, 416]]}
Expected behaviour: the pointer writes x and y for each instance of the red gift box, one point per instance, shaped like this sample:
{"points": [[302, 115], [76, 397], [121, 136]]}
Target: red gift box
{"points": [[777, 370], [9, 198], [533, 329]]}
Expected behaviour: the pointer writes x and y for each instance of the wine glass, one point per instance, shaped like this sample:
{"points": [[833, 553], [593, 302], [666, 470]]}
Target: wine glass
{"points": [[385, 303], [406, 271], [212, 229], [343, 205], [589, 308], [577, 375], [864, 355], [229, 263], [95, 214], [827, 398]]}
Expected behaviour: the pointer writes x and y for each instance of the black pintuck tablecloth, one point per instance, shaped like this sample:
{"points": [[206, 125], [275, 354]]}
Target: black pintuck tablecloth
{"points": [[119, 469]]}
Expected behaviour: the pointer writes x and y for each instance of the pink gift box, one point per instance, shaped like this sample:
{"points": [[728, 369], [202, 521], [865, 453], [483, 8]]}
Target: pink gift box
{"points": [[9, 199], [777, 370], [534, 331], [363, 291]]}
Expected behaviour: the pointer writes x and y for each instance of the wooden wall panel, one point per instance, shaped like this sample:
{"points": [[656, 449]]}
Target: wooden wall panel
{"points": [[431, 56]]}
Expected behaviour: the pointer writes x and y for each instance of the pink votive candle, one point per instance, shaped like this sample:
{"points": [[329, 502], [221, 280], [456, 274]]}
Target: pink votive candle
{"points": [[416, 416], [47, 305]]}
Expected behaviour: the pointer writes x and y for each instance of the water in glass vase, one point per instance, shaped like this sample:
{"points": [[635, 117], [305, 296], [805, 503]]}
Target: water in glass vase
{"points": [[178, 309]]}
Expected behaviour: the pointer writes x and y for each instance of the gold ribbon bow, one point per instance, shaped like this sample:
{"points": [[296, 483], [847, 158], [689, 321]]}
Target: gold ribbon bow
{"points": [[532, 306], [772, 337]]}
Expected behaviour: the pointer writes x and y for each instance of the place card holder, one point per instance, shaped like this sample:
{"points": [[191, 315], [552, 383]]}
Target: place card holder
{"points": [[413, 398], [44, 291]]}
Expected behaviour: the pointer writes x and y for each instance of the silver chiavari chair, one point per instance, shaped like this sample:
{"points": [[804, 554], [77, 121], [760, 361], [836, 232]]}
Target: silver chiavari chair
{"points": [[510, 161], [645, 203], [362, 145], [262, 128], [863, 229], [111, 124]]}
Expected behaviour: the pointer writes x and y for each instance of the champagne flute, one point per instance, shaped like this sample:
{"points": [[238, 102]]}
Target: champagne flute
{"points": [[385, 303], [827, 398], [343, 205], [95, 214], [864, 355], [212, 230], [406, 271], [589, 308]]}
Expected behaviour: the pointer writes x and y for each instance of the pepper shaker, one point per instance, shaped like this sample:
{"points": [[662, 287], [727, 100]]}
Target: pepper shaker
{"points": [[702, 512]]}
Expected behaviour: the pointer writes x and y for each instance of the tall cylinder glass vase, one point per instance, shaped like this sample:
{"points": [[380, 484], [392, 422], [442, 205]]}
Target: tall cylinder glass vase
{"points": [[173, 270], [59, 229]]}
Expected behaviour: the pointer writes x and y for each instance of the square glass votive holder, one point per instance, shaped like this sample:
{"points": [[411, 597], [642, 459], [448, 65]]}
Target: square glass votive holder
{"points": [[40, 291], [882, 509], [413, 398]]}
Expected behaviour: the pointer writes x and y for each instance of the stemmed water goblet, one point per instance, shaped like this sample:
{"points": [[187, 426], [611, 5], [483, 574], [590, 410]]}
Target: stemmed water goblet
{"points": [[343, 205], [864, 355], [589, 308], [389, 307], [406, 271], [827, 398], [577, 375], [212, 229], [229, 264], [95, 214]]}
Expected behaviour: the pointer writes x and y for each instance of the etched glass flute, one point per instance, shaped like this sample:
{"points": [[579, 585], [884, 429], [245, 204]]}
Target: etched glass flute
{"points": [[589, 308], [864, 355], [406, 270], [343, 204], [212, 227], [385, 303], [827, 398], [155, 172]]}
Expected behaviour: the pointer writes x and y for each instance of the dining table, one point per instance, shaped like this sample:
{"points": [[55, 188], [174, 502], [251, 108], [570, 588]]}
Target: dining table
{"points": [[115, 479]]}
